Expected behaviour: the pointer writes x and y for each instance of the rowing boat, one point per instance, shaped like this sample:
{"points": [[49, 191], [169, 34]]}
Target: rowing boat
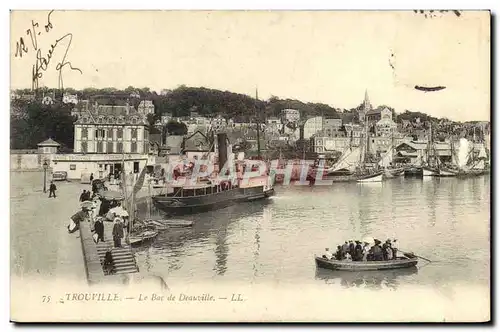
{"points": [[166, 224], [142, 237], [332, 264]]}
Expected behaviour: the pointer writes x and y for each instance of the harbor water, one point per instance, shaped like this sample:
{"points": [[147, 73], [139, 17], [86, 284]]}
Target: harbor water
{"points": [[265, 250], [443, 219]]}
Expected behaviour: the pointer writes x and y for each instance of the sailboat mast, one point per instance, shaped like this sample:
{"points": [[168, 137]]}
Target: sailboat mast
{"points": [[258, 122]]}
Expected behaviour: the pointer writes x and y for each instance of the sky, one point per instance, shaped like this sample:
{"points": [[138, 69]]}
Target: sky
{"points": [[313, 56]]}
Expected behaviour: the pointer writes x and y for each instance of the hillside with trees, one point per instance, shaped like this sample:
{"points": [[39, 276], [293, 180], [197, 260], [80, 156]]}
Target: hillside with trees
{"points": [[32, 122]]}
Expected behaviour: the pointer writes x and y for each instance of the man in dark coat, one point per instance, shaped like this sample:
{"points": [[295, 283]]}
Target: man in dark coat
{"points": [[99, 229], [91, 177], [376, 251], [352, 246], [52, 190], [117, 232], [384, 250], [358, 251], [83, 196]]}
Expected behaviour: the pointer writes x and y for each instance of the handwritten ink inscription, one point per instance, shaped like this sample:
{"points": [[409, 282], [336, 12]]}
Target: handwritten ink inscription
{"points": [[43, 58]]}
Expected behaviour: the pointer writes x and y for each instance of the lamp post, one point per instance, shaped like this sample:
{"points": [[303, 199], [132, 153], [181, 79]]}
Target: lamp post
{"points": [[45, 165]]}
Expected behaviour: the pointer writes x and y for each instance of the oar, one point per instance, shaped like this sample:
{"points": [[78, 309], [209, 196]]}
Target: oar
{"points": [[410, 253]]}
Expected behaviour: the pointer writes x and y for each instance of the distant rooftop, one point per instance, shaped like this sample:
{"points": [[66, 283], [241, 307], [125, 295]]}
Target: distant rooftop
{"points": [[49, 142]]}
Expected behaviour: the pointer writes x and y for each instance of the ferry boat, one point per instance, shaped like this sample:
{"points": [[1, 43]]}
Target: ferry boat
{"points": [[216, 192], [209, 196]]}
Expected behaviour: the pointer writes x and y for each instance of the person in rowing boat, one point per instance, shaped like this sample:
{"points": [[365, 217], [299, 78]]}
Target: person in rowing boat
{"points": [[345, 249], [394, 249], [366, 251], [327, 254], [352, 248], [376, 252], [338, 254], [388, 250], [358, 251]]}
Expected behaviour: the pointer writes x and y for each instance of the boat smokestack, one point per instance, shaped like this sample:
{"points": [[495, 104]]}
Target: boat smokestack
{"points": [[222, 149]]}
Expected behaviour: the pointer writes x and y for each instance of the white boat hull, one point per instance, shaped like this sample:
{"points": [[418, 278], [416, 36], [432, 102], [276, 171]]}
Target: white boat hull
{"points": [[444, 173], [428, 172], [377, 178]]}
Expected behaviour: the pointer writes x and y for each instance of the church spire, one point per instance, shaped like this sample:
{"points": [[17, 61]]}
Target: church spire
{"points": [[366, 104]]}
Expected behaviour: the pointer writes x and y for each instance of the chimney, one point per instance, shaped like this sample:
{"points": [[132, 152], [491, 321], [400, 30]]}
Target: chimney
{"points": [[222, 149]]}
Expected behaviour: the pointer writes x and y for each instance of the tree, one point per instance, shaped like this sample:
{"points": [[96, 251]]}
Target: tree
{"points": [[40, 122], [175, 128]]}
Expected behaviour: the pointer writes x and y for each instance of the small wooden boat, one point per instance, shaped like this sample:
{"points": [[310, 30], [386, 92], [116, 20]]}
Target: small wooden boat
{"points": [[162, 225], [332, 264], [141, 237]]}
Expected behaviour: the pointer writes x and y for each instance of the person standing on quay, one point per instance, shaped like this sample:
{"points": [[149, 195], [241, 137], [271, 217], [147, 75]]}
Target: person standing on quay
{"points": [[52, 190], [117, 232], [99, 229], [91, 177], [83, 196]]}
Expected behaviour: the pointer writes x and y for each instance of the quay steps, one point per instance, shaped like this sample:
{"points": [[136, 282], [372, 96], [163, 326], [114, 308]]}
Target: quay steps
{"points": [[123, 259]]}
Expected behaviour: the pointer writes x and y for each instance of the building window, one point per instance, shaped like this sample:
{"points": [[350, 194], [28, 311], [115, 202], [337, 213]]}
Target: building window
{"points": [[99, 147], [84, 133], [72, 167], [84, 147], [109, 148], [133, 147], [119, 133], [119, 147], [134, 133]]}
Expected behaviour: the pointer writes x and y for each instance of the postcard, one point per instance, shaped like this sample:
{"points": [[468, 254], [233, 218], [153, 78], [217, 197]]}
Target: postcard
{"points": [[250, 166]]}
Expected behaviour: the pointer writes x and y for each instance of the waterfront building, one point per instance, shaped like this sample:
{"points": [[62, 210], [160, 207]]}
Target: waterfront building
{"points": [[329, 145], [385, 126], [112, 129], [312, 126], [354, 132], [272, 120], [289, 115], [332, 127], [70, 99], [146, 107]]}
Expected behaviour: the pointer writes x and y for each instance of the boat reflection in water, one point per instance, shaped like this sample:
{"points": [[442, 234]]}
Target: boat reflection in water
{"points": [[173, 244], [366, 279]]}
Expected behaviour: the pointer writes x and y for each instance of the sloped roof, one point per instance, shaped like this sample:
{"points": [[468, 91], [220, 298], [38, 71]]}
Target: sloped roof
{"points": [[49, 142], [196, 142]]}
